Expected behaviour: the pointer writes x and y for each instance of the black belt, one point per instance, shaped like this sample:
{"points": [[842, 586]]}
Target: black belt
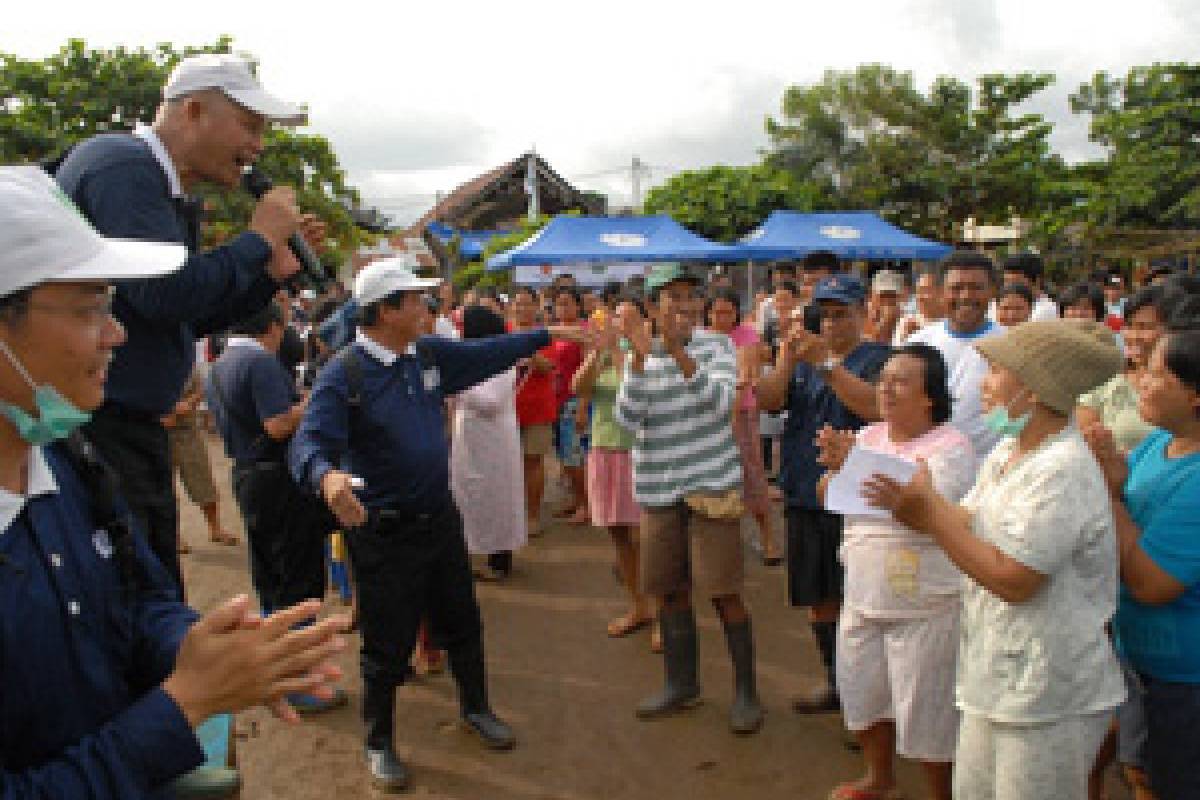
{"points": [[124, 412], [381, 519]]}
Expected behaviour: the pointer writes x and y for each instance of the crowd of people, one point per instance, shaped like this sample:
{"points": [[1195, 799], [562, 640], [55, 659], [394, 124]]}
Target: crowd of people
{"points": [[1016, 615]]}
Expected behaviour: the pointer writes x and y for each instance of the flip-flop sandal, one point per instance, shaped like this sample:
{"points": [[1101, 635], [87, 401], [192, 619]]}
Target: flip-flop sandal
{"points": [[849, 791], [626, 625]]}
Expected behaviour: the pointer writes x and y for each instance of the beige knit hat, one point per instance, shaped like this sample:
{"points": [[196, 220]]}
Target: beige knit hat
{"points": [[1058, 359]]}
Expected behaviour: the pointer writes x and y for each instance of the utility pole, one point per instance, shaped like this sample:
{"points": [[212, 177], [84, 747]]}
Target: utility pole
{"points": [[635, 181], [531, 186]]}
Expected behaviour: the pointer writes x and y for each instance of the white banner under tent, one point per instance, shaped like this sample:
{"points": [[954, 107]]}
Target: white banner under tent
{"points": [[589, 275]]}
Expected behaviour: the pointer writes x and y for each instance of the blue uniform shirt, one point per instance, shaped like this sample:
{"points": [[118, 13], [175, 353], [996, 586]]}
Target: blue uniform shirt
{"points": [[1163, 498], [395, 440], [248, 385], [124, 191], [811, 405], [81, 714]]}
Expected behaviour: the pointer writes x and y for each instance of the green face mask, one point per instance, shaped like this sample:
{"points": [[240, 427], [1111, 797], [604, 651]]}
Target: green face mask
{"points": [[56, 417], [999, 421]]}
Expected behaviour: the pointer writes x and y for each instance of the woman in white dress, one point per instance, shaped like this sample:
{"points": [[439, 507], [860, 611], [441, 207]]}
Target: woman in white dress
{"points": [[485, 460]]}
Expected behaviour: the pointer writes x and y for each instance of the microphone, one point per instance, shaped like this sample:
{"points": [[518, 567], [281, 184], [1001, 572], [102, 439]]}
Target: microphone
{"points": [[258, 184]]}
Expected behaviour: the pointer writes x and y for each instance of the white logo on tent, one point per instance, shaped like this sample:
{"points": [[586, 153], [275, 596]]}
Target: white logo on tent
{"points": [[757, 233], [840, 232], [623, 239]]}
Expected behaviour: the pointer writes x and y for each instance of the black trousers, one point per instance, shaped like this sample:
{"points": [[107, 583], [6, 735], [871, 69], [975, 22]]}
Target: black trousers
{"points": [[135, 445], [407, 567], [285, 530]]}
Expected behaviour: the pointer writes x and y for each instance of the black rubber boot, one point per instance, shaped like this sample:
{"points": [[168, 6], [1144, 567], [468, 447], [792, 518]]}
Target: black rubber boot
{"points": [[682, 691], [470, 672], [746, 713], [379, 714], [826, 700]]}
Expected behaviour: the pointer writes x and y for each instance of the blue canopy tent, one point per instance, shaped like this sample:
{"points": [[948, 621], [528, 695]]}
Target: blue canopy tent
{"points": [[470, 243], [861, 235], [582, 240]]}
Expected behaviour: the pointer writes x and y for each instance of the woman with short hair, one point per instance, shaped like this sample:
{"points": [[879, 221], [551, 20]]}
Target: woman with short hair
{"points": [[897, 639]]}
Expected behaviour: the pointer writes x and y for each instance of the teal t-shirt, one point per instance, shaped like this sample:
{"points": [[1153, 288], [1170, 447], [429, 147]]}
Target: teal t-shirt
{"points": [[1163, 498]]}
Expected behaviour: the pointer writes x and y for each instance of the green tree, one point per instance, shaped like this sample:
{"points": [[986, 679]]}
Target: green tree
{"points": [[1149, 125], [926, 160], [47, 105], [725, 203]]}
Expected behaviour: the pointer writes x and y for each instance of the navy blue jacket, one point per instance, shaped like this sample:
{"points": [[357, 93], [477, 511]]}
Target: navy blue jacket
{"points": [[395, 439], [811, 405], [119, 185], [81, 714]]}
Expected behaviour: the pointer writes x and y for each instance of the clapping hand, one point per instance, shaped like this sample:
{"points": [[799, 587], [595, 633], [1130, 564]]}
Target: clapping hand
{"points": [[910, 503], [801, 345], [1112, 463], [636, 331], [834, 446], [676, 330], [231, 660]]}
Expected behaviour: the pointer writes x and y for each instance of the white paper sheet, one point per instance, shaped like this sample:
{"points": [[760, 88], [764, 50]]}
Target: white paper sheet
{"points": [[843, 495]]}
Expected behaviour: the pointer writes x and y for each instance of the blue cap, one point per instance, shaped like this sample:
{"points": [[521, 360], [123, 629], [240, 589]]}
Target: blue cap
{"points": [[841, 288]]}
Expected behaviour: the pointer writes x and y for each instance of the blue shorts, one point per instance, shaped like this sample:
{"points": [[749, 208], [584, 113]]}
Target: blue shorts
{"points": [[569, 445]]}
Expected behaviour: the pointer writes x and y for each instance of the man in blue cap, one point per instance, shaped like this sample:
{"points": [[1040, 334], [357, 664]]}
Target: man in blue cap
{"points": [[821, 380]]}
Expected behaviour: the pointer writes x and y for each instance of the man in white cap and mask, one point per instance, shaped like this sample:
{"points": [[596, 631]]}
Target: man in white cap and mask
{"points": [[209, 127], [107, 674]]}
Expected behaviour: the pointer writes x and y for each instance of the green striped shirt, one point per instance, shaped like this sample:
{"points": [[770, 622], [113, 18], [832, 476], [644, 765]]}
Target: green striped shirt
{"points": [[683, 431]]}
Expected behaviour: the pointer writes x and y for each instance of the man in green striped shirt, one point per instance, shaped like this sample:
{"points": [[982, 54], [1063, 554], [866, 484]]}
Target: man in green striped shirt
{"points": [[677, 398]]}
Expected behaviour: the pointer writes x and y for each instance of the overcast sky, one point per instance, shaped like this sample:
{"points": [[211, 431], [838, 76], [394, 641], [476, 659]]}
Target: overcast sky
{"points": [[417, 97]]}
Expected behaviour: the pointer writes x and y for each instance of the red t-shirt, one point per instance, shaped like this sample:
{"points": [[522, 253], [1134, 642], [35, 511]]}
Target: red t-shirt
{"points": [[567, 356], [535, 398]]}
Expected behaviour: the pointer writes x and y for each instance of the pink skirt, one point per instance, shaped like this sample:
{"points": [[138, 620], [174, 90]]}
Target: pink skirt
{"points": [[610, 488], [754, 473]]}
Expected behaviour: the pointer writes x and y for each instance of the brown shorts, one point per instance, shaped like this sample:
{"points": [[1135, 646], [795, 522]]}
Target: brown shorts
{"points": [[537, 440], [190, 458], [682, 549]]}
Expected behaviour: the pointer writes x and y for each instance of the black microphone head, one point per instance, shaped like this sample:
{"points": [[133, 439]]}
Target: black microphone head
{"points": [[255, 182]]}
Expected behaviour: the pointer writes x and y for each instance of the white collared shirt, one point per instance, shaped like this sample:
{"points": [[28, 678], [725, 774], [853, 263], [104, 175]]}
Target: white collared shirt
{"points": [[40, 481], [147, 134], [244, 341], [380, 353]]}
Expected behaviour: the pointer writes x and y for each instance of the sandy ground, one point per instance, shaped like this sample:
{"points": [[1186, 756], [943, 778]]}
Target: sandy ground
{"points": [[567, 689]]}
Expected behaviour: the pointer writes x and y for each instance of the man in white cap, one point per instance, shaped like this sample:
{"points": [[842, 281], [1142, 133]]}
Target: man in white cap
{"points": [[208, 128], [106, 674], [372, 444]]}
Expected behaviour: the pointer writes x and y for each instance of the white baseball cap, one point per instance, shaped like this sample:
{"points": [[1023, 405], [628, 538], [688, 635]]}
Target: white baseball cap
{"points": [[44, 238], [387, 276], [232, 75], [888, 280]]}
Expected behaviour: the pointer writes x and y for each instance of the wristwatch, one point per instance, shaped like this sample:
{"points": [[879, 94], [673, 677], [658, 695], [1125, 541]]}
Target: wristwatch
{"points": [[826, 366]]}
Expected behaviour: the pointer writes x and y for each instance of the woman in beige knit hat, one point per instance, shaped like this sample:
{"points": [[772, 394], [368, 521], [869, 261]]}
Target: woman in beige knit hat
{"points": [[1037, 678]]}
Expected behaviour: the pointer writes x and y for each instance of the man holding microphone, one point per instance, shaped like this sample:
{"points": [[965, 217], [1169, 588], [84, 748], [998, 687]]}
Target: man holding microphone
{"points": [[208, 128]]}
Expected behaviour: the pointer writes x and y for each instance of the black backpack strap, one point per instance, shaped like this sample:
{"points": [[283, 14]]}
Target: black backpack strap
{"points": [[108, 508]]}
